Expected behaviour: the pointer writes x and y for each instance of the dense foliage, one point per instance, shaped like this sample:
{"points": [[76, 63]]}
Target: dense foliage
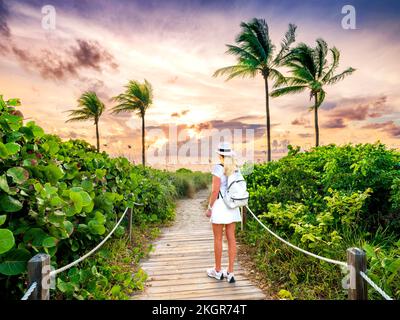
{"points": [[326, 200], [61, 198]]}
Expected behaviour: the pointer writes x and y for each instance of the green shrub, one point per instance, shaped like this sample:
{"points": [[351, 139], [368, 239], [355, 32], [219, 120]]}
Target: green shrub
{"points": [[62, 198], [329, 199]]}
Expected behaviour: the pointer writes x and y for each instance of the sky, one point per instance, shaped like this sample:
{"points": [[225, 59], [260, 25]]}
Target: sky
{"points": [[100, 45]]}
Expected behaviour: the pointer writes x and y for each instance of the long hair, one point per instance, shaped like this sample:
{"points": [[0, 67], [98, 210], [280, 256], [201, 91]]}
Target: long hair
{"points": [[229, 165]]}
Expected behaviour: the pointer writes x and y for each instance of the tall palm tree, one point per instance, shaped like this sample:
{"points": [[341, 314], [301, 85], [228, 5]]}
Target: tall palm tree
{"points": [[138, 97], [311, 70], [255, 55], [90, 107]]}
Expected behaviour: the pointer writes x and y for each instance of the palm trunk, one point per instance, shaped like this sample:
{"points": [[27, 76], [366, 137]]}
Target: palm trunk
{"points": [[97, 135], [316, 121], [268, 119], [143, 139]]}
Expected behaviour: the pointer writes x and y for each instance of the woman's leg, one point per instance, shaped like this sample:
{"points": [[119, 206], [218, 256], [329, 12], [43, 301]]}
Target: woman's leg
{"points": [[218, 230], [230, 236]]}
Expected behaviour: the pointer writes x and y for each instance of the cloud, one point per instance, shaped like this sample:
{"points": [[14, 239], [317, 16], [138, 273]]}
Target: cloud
{"points": [[305, 135], [4, 29], [301, 122], [180, 114], [389, 126], [84, 54], [334, 124], [370, 107]]}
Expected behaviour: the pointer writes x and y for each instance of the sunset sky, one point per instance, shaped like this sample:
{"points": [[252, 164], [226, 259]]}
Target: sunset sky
{"points": [[177, 45]]}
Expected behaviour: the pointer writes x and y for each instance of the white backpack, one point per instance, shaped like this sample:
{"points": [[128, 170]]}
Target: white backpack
{"points": [[236, 194]]}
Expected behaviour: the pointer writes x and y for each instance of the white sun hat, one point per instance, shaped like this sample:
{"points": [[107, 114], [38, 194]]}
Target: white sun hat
{"points": [[224, 149]]}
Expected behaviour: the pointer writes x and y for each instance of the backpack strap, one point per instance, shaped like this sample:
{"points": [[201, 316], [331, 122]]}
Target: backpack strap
{"points": [[219, 192]]}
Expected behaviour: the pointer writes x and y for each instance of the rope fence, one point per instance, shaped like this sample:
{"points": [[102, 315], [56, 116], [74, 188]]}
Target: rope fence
{"points": [[39, 266], [57, 271], [375, 286], [341, 263], [356, 264], [29, 291]]}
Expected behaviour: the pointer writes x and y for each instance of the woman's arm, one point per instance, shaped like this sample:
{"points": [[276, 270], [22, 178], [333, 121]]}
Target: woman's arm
{"points": [[216, 183]]}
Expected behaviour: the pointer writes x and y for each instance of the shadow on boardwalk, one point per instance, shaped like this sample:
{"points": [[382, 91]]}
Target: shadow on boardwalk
{"points": [[177, 266]]}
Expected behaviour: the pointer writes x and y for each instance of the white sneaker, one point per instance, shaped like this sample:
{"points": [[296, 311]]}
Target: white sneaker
{"points": [[230, 277], [214, 274]]}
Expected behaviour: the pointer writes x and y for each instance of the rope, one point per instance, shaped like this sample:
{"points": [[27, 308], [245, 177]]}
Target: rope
{"points": [[340, 263], [375, 286], [54, 272], [29, 291]]}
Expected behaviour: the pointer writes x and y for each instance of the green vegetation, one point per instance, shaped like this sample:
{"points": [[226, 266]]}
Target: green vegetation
{"points": [[62, 198], [90, 107], [310, 70], [327, 200], [255, 55]]}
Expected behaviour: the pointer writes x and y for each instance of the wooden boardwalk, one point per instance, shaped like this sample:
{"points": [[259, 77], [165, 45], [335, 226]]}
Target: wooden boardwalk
{"points": [[177, 266]]}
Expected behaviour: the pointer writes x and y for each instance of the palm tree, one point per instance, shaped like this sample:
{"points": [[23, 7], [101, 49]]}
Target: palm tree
{"points": [[90, 107], [311, 70], [255, 54], [137, 97]]}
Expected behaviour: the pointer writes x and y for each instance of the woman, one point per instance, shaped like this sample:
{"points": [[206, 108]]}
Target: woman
{"points": [[220, 215]]}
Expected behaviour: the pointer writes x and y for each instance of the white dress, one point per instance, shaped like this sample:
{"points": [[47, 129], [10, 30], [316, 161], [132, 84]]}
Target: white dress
{"points": [[220, 213]]}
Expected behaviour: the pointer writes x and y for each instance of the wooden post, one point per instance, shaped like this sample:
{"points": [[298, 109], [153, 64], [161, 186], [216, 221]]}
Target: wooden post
{"points": [[39, 272], [129, 213], [357, 261], [244, 217]]}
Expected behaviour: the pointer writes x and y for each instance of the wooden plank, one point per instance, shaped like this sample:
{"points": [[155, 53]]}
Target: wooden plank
{"points": [[182, 270], [200, 279], [167, 277], [203, 293], [194, 287], [177, 265]]}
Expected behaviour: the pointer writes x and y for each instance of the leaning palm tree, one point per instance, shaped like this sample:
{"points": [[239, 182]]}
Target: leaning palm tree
{"points": [[255, 55], [90, 107], [137, 97], [311, 70]]}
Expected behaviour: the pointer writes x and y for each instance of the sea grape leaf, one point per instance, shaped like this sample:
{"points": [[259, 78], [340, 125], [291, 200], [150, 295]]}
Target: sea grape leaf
{"points": [[96, 228], [3, 151], [49, 242], [9, 204], [7, 240], [2, 219], [77, 200], [4, 184], [35, 236], [18, 174], [53, 173], [15, 262], [36, 130], [12, 148]]}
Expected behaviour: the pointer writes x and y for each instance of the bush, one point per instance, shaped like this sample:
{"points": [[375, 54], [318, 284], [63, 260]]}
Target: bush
{"points": [[61, 198], [332, 198]]}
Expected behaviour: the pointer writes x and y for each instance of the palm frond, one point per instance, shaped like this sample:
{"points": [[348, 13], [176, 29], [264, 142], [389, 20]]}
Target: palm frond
{"points": [[321, 51], [137, 97], [289, 38], [79, 118], [89, 107], [278, 77], [239, 70], [340, 76], [242, 54], [287, 90], [335, 63], [303, 55]]}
